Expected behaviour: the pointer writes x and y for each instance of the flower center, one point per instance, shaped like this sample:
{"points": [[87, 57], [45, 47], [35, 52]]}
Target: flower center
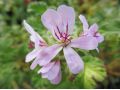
{"points": [[64, 37], [66, 41]]}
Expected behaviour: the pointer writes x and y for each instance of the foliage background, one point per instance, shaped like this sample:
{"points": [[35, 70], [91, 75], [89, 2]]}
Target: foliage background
{"points": [[105, 66]]}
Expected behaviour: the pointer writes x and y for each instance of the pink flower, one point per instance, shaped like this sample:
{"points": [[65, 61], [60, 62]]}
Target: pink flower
{"points": [[35, 38], [52, 70], [60, 23], [39, 45], [92, 30]]}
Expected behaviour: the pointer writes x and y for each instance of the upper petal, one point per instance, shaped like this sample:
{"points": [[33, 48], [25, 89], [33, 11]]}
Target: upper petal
{"points": [[73, 60], [51, 19], [49, 53], [68, 17], [53, 72], [84, 22], [28, 27], [93, 29], [35, 37], [85, 42]]}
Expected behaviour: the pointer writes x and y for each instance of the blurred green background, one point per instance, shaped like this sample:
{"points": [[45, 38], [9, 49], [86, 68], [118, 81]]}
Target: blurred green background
{"points": [[102, 70]]}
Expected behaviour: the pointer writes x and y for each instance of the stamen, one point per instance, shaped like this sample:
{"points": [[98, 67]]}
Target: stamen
{"points": [[66, 34], [64, 37], [56, 35]]}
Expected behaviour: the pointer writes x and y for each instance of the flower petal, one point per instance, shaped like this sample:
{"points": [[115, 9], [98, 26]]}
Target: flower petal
{"points": [[57, 79], [100, 38], [53, 72], [93, 29], [34, 64], [73, 60], [37, 58], [48, 54], [51, 19], [46, 68], [44, 75], [35, 37], [84, 22], [85, 42], [30, 56], [28, 27], [68, 17]]}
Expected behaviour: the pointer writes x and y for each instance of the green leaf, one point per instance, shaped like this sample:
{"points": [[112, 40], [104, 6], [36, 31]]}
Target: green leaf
{"points": [[37, 7], [94, 72]]}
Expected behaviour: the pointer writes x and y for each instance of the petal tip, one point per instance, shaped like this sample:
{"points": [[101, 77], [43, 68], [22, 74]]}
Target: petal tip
{"points": [[24, 22], [80, 69], [27, 60], [81, 16]]}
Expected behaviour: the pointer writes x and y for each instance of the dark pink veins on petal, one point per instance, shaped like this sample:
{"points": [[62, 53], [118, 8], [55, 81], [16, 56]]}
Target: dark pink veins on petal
{"points": [[62, 36], [42, 44]]}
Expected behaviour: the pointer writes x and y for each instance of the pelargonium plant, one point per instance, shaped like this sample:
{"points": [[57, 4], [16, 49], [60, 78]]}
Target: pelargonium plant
{"points": [[60, 23]]}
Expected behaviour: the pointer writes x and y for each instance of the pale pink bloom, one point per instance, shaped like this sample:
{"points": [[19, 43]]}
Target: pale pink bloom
{"points": [[38, 41], [91, 30], [51, 71], [60, 23]]}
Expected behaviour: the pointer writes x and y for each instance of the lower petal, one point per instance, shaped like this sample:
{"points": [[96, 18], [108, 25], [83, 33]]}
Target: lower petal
{"points": [[57, 79], [53, 72], [85, 42], [73, 60], [49, 53], [46, 68], [30, 56], [34, 64]]}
